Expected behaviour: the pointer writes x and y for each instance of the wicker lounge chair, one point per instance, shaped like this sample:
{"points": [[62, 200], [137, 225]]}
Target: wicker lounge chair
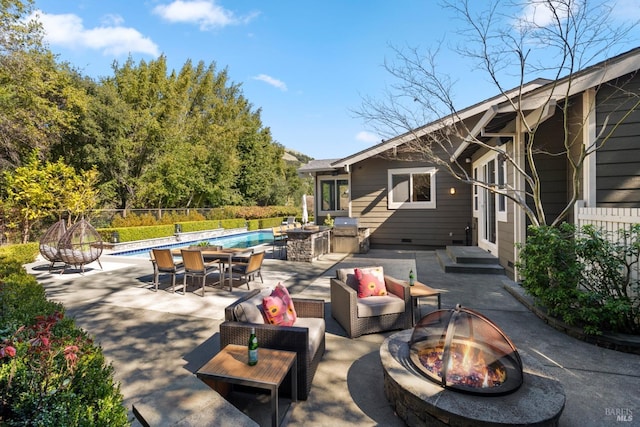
{"points": [[306, 337], [80, 245], [366, 315], [49, 242]]}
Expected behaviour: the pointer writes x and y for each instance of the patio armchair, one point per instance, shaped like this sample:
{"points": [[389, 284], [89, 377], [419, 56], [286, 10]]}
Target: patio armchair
{"points": [[359, 316], [306, 337], [195, 266], [163, 262]]}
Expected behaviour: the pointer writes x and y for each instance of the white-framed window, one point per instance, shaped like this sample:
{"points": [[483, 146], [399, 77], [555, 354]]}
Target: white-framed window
{"points": [[411, 188], [334, 194]]}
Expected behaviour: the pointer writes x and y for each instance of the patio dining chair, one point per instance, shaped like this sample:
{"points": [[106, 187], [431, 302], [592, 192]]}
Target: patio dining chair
{"points": [[163, 262], [248, 270], [195, 266]]}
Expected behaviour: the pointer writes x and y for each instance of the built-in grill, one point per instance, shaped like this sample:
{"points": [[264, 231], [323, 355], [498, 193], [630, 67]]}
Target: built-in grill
{"points": [[345, 227]]}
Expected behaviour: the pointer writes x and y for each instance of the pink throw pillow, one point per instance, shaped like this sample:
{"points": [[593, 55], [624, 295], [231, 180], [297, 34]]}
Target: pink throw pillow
{"points": [[370, 282], [278, 307]]}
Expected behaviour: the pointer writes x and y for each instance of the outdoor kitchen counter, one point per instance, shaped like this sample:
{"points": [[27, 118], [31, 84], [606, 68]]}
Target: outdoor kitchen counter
{"points": [[308, 243]]}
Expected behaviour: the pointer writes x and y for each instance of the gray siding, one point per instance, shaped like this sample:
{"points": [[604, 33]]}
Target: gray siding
{"points": [[506, 238], [410, 228], [552, 169], [618, 161]]}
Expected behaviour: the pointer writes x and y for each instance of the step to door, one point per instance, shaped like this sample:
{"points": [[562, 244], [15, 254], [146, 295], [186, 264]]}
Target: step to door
{"points": [[470, 255], [468, 265]]}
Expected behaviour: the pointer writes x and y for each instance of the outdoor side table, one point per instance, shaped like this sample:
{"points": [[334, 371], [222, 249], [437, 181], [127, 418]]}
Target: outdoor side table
{"points": [[420, 290], [230, 366]]}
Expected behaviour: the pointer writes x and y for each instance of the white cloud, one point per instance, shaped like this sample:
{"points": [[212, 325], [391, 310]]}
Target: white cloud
{"points": [[207, 14], [111, 19], [272, 81], [68, 30], [542, 13], [368, 137]]}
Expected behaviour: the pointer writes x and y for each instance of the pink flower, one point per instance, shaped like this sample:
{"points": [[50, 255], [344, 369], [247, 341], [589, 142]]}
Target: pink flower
{"points": [[8, 351], [70, 354]]}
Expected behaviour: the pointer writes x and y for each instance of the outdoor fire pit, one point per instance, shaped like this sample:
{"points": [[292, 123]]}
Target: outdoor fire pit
{"points": [[463, 350], [448, 370]]}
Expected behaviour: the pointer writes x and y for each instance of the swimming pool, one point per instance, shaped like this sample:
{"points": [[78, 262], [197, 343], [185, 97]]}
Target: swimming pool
{"points": [[242, 240]]}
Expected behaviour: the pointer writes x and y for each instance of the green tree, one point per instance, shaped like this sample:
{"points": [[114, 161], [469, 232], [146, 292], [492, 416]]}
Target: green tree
{"points": [[37, 100], [262, 175], [27, 196], [38, 190]]}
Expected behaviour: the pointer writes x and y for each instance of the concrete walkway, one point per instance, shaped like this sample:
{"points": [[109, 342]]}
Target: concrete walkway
{"points": [[156, 341]]}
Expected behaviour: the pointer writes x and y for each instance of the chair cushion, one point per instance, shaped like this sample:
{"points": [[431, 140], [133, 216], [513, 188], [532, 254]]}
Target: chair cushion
{"points": [[250, 311], [316, 328], [278, 307], [370, 282], [379, 305], [347, 276], [49, 252]]}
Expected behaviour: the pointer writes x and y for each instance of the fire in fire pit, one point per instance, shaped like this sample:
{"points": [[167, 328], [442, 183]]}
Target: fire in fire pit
{"points": [[463, 350]]}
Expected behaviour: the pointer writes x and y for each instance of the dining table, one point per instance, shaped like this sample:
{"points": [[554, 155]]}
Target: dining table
{"points": [[224, 256]]}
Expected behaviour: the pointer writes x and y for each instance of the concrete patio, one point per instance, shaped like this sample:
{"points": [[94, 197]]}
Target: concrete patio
{"points": [[156, 341]]}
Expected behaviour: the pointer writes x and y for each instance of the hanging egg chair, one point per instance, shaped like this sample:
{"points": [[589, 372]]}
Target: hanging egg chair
{"points": [[49, 242], [80, 245]]}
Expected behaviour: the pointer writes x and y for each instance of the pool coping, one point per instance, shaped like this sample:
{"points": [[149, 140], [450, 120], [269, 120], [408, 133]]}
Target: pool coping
{"points": [[113, 248]]}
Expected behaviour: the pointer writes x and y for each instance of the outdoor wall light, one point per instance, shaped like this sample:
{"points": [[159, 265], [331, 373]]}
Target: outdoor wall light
{"points": [[452, 190]]}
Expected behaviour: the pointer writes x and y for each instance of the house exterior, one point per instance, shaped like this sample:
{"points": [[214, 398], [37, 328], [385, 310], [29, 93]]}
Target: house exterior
{"points": [[407, 202]]}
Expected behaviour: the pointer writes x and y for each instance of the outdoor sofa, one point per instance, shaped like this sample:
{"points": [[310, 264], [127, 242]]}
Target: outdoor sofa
{"points": [[306, 337]]}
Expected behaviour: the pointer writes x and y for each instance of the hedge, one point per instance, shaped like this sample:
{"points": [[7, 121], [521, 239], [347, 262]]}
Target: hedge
{"points": [[51, 372], [128, 234]]}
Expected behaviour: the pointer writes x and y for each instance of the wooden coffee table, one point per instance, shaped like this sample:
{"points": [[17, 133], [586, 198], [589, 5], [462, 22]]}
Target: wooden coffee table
{"points": [[420, 290], [230, 366]]}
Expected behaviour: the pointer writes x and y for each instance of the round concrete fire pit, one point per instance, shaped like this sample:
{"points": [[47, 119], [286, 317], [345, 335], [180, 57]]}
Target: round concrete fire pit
{"points": [[420, 402]]}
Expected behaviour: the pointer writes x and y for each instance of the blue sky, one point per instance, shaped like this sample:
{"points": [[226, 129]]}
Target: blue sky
{"points": [[305, 64]]}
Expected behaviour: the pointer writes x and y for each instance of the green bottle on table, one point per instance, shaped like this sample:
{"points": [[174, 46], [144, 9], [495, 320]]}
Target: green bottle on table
{"points": [[253, 348], [412, 278]]}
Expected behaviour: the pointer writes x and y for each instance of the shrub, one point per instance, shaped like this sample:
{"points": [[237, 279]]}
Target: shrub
{"points": [[133, 220], [51, 372], [142, 227], [582, 277], [129, 234], [612, 297], [24, 253], [252, 212], [200, 225]]}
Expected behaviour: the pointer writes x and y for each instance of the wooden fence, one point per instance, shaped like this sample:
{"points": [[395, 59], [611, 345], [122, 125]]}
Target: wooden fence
{"points": [[610, 220]]}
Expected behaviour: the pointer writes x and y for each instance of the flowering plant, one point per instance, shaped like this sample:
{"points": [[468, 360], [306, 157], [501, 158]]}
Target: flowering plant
{"points": [[51, 372]]}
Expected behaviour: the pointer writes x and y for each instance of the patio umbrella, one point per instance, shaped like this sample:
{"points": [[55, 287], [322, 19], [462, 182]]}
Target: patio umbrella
{"points": [[305, 214]]}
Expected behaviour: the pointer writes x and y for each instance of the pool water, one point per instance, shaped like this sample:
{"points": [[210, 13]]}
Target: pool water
{"points": [[243, 240]]}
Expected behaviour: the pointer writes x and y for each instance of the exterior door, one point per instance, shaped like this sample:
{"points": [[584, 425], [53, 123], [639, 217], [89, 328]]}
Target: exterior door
{"points": [[485, 203]]}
